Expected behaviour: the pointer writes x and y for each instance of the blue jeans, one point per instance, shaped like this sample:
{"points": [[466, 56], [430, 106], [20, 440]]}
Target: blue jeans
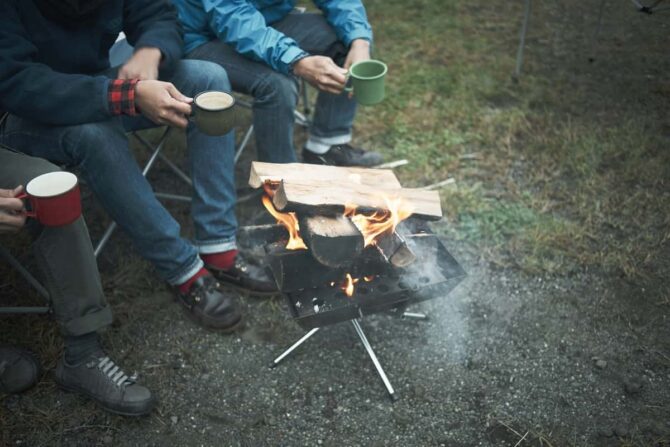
{"points": [[276, 95], [100, 152]]}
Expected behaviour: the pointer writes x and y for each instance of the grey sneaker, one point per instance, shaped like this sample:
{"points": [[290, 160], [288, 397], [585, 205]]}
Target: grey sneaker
{"points": [[102, 380], [19, 370]]}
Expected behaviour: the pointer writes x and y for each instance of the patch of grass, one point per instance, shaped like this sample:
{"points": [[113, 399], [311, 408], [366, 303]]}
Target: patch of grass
{"points": [[571, 167]]}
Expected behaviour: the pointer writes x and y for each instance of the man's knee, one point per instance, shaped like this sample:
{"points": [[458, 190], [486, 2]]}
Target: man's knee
{"points": [[34, 167], [278, 89], [104, 139], [206, 75]]}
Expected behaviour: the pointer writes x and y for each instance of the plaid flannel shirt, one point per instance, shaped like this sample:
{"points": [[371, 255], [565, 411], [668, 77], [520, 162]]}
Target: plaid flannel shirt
{"points": [[121, 97]]}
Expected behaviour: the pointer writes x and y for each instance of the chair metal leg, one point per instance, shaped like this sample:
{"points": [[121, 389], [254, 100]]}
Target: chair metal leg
{"points": [[24, 310], [373, 356], [177, 197], [305, 100], [522, 39], [243, 144], [27, 275]]}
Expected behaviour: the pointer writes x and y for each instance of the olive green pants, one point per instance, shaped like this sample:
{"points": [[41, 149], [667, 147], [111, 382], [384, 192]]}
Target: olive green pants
{"points": [[64, 256]]}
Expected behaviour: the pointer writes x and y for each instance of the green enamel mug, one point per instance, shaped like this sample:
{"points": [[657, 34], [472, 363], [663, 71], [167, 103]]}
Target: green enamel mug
{"points": [[367, 81], [213, 112]]}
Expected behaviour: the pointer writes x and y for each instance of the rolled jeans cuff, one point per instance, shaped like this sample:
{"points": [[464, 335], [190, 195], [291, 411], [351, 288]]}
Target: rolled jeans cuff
{"points": [[187, 273], [216, 246], [90, 322], [320, 145]]}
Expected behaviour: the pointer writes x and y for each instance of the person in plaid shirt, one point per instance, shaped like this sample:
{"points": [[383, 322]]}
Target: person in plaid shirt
{"points": [[67, 105]]}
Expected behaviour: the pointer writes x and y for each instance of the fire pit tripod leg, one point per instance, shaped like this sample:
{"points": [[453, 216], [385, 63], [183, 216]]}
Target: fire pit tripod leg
{"points": [[373, 356], [293, 347]]}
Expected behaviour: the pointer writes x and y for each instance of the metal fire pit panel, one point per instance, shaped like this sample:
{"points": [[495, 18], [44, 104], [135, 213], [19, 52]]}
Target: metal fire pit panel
{"points": [[435, 275]]}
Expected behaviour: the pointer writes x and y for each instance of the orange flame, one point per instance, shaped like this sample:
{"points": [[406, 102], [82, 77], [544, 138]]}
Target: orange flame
{"points": [[290, 222], [368, 278], [373, 225], [348, 286]]}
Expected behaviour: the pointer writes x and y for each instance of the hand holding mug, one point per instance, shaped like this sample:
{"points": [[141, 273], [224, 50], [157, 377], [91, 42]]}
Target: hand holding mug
{"points": [[12, 217], [55, 199], [162, 103], [322, 73]]}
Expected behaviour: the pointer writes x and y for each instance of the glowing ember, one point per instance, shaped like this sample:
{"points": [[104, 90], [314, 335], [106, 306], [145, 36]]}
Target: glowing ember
{"points": [[348, 286], [373, 225], [368, 278], [290, 222]]}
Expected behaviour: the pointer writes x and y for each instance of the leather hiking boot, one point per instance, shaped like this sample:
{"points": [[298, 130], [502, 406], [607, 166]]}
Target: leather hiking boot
{"points": [[343, 155], [246, 276], [209, 306], [100, 379], [19, 370]]}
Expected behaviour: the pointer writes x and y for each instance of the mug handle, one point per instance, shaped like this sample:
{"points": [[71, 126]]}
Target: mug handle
{"points": [[348, 85], [26, 213]]}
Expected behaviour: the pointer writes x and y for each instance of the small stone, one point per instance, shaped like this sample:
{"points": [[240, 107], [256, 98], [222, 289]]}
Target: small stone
{"points": [[621, 431], [174, 419], [606, 432], [632, 386], [107, 439], [601, 364]]}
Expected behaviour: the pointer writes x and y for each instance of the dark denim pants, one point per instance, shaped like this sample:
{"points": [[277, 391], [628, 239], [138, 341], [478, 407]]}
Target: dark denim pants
{"points": [[64, 256], [276, 94], [100, 152]]}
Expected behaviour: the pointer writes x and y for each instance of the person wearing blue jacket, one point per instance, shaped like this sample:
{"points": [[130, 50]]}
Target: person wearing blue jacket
{"points": [[265, 46]]}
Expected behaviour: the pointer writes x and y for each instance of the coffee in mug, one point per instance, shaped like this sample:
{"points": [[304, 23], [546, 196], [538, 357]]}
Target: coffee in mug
{"points": [[213, 112]]}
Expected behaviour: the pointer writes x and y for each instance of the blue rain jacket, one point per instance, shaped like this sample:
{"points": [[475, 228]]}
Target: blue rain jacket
{"points": [[246, 25]]}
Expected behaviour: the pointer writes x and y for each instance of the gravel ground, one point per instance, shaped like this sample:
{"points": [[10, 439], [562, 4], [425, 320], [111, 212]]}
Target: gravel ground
{"points": [[580, 360]]}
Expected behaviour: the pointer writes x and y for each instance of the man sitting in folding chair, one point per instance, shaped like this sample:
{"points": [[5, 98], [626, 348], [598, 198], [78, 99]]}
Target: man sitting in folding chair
{"points": [[65, 105], [65, 257], [265, 46]]}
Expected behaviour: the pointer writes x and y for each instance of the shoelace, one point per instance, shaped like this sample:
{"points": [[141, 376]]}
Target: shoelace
{"points": [[114, 372]]}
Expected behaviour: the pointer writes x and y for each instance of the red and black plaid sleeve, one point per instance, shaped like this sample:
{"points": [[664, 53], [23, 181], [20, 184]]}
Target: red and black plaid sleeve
{"points": [[121, 96]]}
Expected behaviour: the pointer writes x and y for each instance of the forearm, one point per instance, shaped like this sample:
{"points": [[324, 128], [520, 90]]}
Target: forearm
{"points": [[241, 25]]}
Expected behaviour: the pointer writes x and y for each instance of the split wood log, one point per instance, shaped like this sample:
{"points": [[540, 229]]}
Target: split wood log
{"points": [[289, 172], [394, 249], [333, 241], [316, 197]]}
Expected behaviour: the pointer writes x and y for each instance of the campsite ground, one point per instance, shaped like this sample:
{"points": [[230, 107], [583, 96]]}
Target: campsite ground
{"points": [[560, 214]]}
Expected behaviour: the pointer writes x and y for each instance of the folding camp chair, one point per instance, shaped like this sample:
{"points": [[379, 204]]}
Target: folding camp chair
{"points": [[11, 260]]}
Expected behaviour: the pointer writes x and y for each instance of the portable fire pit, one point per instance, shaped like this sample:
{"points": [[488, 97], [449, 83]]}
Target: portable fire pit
{"points": [[347, 253]]}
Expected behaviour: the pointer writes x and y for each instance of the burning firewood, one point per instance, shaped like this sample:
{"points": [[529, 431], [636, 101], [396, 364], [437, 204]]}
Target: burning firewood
{"points": [[394, 249], [333, 241]]}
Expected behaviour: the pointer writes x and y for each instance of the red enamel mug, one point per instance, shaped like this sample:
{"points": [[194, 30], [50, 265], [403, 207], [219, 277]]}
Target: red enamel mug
{"points": [[54, 198]]}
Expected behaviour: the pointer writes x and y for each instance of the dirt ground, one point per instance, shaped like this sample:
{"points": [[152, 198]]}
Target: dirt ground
{"points": [[560, 340]]}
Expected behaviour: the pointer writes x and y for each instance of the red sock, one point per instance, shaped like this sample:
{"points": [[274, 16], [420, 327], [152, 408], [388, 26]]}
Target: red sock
{"points": [[186, 286], [221, 261]]}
